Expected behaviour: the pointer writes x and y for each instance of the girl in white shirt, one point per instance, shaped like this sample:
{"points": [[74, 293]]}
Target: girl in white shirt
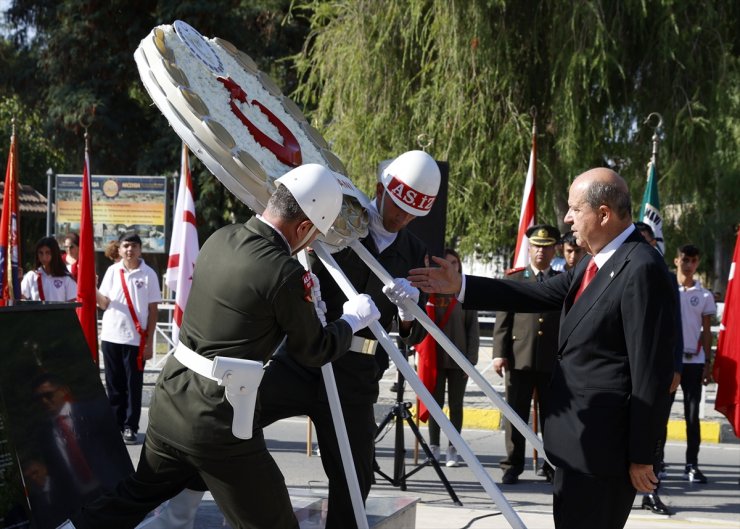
{"points": [[50, 281]]}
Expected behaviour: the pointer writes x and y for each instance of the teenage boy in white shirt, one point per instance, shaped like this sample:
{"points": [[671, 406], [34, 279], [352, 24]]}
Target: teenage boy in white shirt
{"points": [[129, 295], [697, 309]]}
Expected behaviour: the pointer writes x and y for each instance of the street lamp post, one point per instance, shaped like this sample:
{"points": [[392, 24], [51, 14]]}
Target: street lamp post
{"points": [[49, 202]]}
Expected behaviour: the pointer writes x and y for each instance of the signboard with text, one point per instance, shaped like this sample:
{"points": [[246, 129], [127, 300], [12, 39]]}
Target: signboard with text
{"points": [[120, 204]]}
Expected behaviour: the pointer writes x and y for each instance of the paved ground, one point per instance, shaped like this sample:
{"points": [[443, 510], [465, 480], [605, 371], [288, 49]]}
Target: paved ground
{"points": [[481, 414], [716, 504]]}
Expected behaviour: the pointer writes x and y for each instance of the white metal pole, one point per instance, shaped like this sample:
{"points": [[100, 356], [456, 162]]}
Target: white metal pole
{"points": [[453, 351], [410, 375], [340, 429]]}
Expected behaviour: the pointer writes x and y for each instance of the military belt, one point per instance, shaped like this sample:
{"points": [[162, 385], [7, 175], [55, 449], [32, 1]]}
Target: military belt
{"points": [[192, 360], [363, 346]]}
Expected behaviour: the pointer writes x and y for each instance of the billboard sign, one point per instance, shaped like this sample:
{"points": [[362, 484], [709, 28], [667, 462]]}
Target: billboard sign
{"points": [[120, 204]]}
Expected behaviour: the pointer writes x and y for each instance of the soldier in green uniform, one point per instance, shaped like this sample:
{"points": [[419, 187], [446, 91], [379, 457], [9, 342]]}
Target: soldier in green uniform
{"points": [[406, 190], [525, 348], [296, 389], [248, 294]]}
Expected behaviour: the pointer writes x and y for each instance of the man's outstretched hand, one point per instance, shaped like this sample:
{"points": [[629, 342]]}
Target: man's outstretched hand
{"points": [[442, 280]]}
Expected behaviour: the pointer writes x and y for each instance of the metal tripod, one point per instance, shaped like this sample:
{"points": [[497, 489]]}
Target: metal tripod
{"points": [[400, 413]]}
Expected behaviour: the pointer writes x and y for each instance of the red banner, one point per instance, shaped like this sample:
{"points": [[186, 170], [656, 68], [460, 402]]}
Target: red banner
{"points": [[727, 362], [86, 281], [427, 350], [10, 230]]}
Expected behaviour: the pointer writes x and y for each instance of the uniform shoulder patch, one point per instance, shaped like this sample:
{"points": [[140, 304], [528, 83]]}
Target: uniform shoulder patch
{"points": [[307, 286], [515, 270]]}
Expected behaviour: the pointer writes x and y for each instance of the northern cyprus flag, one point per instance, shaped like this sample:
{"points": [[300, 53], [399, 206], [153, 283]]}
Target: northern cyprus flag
{"points": [[183, 245]]}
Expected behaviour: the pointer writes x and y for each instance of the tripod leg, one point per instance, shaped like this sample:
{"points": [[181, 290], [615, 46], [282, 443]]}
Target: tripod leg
{"points": [[384, 422], [376, 467], [385, 476], [433, 462], [399, 456]]}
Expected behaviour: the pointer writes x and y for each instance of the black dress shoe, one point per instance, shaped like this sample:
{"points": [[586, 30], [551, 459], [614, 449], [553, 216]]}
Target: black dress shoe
{"points": [[652, 502], [547, 472], [510, 478]]}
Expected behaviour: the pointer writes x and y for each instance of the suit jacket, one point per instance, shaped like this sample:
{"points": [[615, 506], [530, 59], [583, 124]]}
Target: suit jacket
{"points": [[527, 340], [610, 385]]}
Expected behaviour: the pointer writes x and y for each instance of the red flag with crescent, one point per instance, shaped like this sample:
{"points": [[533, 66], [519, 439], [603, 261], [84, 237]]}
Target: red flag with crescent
{"points": [[86, 277]]}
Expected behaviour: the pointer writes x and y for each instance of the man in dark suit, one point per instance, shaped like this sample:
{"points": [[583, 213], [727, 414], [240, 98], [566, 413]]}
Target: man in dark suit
{"points": [[524, 349], [81, 446], [615, 365]]}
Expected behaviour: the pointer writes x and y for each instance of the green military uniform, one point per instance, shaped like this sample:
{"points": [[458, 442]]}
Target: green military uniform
{"points": [[247, 295], [291, 389], [529, 342]]}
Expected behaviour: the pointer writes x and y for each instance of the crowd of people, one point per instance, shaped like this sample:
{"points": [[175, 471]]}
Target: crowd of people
{"points": [[596, 340]]}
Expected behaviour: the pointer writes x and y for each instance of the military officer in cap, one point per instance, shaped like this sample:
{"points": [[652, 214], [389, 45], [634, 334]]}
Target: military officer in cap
{"points": [[406, 190], [525, 348], [248, 295]]}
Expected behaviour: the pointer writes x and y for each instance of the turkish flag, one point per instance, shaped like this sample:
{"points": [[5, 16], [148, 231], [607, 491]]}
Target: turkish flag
{"points": [[727, 361], [86, 280]]}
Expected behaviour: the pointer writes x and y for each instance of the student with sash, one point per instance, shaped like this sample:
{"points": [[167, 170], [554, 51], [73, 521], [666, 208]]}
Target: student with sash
{"points": [[129, 295], [461, 327], [50, 281]]}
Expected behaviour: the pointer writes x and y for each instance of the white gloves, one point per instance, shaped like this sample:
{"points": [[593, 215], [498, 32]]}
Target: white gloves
{"points": [[318, 303], [359, 312], [400, 291]]}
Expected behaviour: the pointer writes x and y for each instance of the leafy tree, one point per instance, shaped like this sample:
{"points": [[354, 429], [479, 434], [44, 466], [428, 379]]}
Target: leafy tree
{"points": [[377, 73], [35, 154], [467, 73], [84, 62]]}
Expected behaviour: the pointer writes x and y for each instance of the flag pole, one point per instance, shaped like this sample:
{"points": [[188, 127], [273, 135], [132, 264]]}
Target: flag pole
{"points": [[650, 208], [655, 138]]}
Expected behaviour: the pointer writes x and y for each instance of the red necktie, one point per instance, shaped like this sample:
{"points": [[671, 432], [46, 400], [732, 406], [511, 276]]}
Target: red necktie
{"points": [[76, 458], [591, 270]]}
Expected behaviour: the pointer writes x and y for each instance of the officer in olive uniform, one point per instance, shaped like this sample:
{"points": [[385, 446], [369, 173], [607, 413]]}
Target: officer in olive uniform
{"points": [[406, 190], [248, 294], [525, 349], [295, 389]]}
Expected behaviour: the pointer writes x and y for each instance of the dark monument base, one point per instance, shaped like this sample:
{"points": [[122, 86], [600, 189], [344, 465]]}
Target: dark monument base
{"points": [[59, 443]]}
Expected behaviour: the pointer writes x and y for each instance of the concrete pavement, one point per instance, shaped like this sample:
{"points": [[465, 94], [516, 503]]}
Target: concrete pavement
{"points": [[716, 504]]}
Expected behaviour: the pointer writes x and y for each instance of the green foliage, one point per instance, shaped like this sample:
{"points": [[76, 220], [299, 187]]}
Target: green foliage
{"points": [[466, 73], [375, 74], [81, 60], [36, 154]]}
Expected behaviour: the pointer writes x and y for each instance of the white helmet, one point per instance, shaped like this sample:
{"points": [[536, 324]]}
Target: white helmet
{"points": [[317, 192], [412, 181]]}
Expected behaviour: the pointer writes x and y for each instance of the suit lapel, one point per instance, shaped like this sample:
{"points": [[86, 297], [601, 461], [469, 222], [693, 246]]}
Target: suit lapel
{"points": [[573, 313]]}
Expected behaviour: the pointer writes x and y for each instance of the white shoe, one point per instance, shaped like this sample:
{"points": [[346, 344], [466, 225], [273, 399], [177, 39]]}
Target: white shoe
{"points": [[452, 459], [67, 524], [435, 451], [178, 513]]}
